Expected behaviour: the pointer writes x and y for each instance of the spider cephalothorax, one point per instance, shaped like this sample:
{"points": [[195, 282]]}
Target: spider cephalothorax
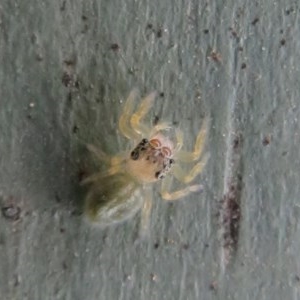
{"points": [[150, 160]]}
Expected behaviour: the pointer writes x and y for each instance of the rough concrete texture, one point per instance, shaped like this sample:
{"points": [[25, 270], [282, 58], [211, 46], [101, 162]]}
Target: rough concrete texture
{"points": [[65, 69]]}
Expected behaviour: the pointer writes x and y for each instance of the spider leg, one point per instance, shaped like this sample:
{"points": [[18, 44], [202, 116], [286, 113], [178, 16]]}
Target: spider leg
{"points": [[189, 176], [107, 159], [186, 156], [146, 211], [136, 118], [115, 164], [159, 127], [124, 127], [179, 140], [169, 196], [99, 175]]}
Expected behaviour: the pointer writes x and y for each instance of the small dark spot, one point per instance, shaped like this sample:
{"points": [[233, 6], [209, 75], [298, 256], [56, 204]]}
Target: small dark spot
{"points": [[255, 21], [240, 48], [185, 246], [16, 280], [11, 212], [156, 119], [115, 47], [75, 212], [69, 62], [161, 94], [233, 32], [243, 66], [39, 57], [156, 245], [82, 174], [143, 148], [63, 6], [84, 17], [66, 79], [206, 245], [172, 161], [236, 143], [157, 174], [75, 129], [297, 278], [159, 33], [213, 286], [288, 11], [76, 84], [144, 141], [148, 157], [57, 198], [149, 26], [64, 266], [284, 153], [154, 161], [266, 140], [134, 155], [206, 31], [62, 230], [282, 42]]}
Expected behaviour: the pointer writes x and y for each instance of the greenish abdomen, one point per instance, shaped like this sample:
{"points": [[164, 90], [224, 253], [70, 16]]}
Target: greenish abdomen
{"points": [[113, 199]]}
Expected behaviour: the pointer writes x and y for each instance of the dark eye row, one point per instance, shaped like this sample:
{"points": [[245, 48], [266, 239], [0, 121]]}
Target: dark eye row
{"points": [[161, 174], [140, 147]]}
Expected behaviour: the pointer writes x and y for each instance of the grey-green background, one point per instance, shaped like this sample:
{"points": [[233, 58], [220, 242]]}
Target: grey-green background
{"points": [[65, 69]]}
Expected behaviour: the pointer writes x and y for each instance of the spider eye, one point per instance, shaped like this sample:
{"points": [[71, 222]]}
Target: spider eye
{"points": [[134, 154], [159, 175], [155, 143], [166, 151]]}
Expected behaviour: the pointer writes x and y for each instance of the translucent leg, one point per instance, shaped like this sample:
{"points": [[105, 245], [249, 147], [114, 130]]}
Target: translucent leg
{"points": [[189, 176], [146, 212], [159, 127], [166, 195], [99, 175], [124, 125], [107, 159], [179, 140], [136, 118], [115, 164], [186, 156]]}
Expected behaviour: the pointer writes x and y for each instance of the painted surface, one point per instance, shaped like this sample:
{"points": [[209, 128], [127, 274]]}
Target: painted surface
{"points": [[66, 67]]}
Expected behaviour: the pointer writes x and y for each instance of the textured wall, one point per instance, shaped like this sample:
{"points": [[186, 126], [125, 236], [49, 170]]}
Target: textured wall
{"points": [[65, 68]]}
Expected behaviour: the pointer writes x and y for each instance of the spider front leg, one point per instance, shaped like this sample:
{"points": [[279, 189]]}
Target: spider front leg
{"points": [[186, 156], [169, 196], [124, 127], [135, 120], [130, 123], [187, 177]]}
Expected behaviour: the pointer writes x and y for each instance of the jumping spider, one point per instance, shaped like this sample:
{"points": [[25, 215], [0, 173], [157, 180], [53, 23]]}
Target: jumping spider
{"points": [[124, 188]]}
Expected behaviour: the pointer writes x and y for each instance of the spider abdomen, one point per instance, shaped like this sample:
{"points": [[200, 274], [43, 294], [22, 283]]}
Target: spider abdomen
{"points": [[116, 199]]}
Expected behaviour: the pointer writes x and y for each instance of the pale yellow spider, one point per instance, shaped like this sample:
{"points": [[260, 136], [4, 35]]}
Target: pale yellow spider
{"points": [[125, 187]]}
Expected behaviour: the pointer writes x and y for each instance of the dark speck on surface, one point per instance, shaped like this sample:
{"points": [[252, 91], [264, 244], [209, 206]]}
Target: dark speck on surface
{"points": [[256, 20]]}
